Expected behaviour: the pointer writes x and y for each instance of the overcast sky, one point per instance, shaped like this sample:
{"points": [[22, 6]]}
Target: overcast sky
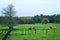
{"points": [[33, 7]]}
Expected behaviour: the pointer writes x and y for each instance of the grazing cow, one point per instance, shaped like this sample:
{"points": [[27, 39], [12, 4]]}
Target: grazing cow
{"points": [[32, 29], [50, 27]]}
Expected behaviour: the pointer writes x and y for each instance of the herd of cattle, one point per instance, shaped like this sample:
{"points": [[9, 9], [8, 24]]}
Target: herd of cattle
{"points": [[50, 28], [34, 29]]}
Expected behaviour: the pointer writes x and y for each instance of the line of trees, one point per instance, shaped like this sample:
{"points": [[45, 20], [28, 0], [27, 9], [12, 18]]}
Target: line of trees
{"points": [[39, 19], [36, 19], [28, 20], [47, 18]]}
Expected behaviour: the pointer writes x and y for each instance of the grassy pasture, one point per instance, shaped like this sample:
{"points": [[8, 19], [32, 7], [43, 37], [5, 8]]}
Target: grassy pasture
{"points": [[3, 31], [20, 32]]}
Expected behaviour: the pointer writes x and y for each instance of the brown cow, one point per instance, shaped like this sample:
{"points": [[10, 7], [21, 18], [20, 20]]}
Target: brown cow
{"points": [[50, 27], [32, 29]]}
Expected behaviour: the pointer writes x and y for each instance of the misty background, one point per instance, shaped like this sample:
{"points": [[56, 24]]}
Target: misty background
{"points": [[32, 7]]}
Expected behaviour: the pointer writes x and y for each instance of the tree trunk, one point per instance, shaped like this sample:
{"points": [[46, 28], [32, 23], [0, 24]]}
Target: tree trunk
{"points": [[7, 34], [11, 28]]}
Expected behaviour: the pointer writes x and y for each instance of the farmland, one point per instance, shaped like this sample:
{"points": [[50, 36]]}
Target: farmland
{"points": [[21, 32]]}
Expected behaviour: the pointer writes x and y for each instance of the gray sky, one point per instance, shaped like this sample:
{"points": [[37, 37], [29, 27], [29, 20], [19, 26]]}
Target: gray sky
{"points": [[33, 7]]}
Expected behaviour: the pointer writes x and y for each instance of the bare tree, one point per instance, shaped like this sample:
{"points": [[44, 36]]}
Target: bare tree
{"points": [[9, 14]]}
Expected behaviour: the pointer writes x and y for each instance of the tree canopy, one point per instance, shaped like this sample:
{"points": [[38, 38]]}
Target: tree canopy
{"points": [[9, 14]]}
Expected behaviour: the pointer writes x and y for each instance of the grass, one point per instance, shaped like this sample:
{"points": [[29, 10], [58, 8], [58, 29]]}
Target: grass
{"points": [[2, 28], [21, 32]]}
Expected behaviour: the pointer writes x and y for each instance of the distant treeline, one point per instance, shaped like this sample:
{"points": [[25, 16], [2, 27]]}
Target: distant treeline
{"points": [[36, 19]]}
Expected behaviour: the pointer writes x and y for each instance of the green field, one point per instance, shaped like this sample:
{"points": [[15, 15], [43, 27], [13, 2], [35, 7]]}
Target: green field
{"points": [[20, 32], [2, 28]]}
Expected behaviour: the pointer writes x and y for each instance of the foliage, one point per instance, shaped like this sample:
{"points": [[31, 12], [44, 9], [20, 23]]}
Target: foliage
{"points": [[40, 34], [9, 16], [37, 19], [45, 20]]}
